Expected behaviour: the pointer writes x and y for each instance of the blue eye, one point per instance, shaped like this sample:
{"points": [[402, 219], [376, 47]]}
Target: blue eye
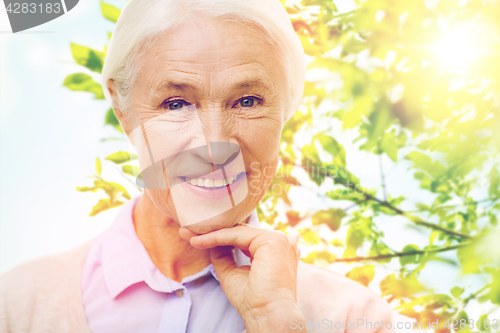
{"points": [[174, 105], [247, 102], [177, 105]]}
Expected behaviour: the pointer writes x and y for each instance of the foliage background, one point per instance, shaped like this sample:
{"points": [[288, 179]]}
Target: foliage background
{"points": [[393, 72], [399, 116]]}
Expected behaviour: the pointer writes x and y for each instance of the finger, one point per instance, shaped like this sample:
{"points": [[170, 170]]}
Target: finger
{"points": [[248, 239], [223, 260], [231, 277], [240, 237], [186, 234]]}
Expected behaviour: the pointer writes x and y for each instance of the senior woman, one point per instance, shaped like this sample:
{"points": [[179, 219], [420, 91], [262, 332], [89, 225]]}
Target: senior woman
{"points": [[202, 88]]}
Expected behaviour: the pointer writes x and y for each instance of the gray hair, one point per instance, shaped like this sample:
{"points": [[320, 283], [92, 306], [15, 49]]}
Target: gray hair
{"points": [[143, 20]]}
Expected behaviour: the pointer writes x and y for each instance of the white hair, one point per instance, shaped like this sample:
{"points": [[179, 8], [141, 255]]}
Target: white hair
{"points": [[143, 20]]}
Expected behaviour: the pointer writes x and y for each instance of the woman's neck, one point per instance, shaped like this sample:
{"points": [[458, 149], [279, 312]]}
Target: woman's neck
{"points": [[173, 256]]}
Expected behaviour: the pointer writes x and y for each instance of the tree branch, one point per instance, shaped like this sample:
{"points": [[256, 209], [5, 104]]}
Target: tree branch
{"points": [[474, 295], [398, 211], [402, 254], [386, 204]]}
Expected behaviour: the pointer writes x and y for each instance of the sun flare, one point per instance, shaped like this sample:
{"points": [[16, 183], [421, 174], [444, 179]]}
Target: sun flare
{"points": [[460, 48]]}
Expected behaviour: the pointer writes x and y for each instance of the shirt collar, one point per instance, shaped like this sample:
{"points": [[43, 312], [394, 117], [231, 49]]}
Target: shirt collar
{"points": [[126, 262]]}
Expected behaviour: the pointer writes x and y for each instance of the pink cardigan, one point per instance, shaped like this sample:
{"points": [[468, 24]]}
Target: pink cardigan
{"points": [[44, 295]]}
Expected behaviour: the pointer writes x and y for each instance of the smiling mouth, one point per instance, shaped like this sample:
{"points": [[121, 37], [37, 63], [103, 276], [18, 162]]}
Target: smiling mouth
{"points": [[211, 184]]}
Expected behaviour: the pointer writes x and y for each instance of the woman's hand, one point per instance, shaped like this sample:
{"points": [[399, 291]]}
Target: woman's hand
{"points": [[265, 293]]}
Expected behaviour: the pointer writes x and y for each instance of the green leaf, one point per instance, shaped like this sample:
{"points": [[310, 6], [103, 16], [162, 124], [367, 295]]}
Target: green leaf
{"points": [[425, 163], [363, 275], [335, 149], [399, 288], [113, 190], [103, 205], [281, 188], [86, 188], [110, 119], [316, 172], [349, 252], [294, 124], [121, 157], [346, 194], [337, 242], [331, 217], [409, 259], [378, 249], [380, 120], [456, 291], [494, 294], [132, 170], [390, 144], [309, 235], [481, 324], [434, 234], [467, 257], [310, 153], [325, 255], [493, 219], [83, 82], [356, 235], [90, 58], [110, 12], [269, 219], [98, 166], [310, 258], [462, 315]]}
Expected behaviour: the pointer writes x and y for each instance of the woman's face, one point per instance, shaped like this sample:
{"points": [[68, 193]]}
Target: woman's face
{"points": [[206, 113]]}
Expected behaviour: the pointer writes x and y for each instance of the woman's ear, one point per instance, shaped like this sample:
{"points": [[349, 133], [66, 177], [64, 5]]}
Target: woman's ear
{"points": [[117, 107]]}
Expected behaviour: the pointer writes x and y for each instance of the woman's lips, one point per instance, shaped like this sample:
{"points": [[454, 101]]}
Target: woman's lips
{"points": [[213, 188]]}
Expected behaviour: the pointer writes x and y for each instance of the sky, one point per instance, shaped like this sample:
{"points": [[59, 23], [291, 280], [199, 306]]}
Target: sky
{"points": [[50, 137]]}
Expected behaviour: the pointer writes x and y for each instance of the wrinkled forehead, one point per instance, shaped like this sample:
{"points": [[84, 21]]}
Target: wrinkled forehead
{"points": [[215, 55]]}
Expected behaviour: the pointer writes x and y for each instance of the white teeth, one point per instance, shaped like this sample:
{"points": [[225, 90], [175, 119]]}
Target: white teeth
{"points": [[210, 183]]}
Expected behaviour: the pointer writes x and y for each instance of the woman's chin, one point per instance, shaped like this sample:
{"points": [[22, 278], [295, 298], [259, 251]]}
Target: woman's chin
{"points": [[226, 220]]}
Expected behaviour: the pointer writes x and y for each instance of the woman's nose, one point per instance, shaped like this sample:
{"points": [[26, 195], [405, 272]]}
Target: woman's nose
{"points": [[218, 130], [223, 153]]}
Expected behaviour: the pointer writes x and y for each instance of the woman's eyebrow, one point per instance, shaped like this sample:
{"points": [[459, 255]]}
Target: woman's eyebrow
{"points": [[182, 86], [172, 85], [169, 85], [252, 83]]}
